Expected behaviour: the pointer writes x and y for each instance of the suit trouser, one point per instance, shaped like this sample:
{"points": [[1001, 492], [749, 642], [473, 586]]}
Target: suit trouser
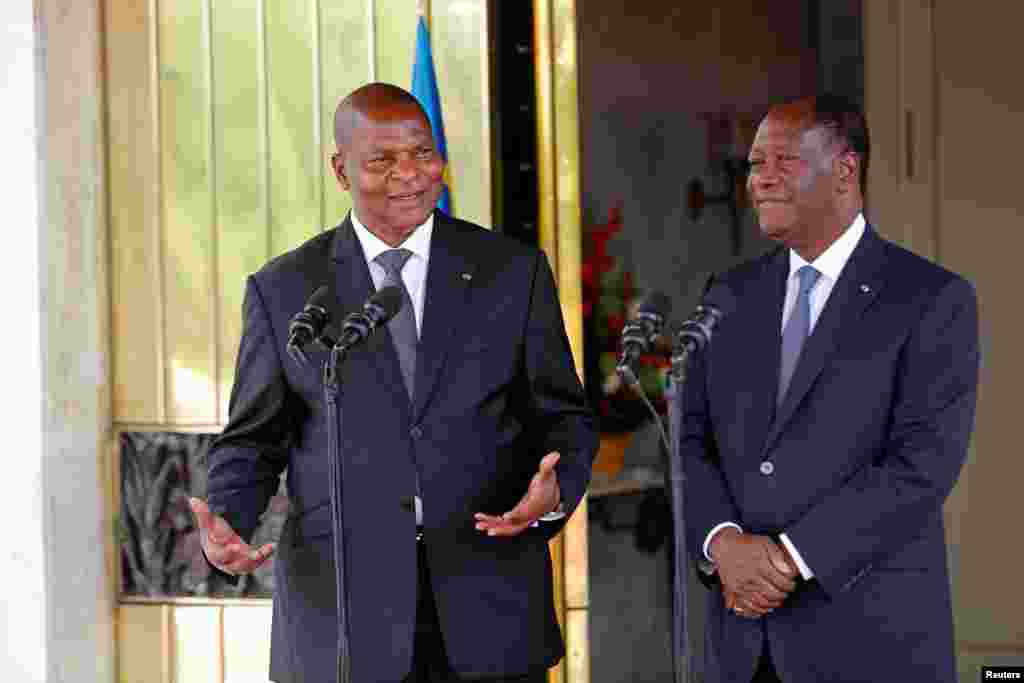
{"points": [[429, 658]]}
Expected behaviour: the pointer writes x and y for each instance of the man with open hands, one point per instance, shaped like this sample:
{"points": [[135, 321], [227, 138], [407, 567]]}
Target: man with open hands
{"points": [[466, 439]]}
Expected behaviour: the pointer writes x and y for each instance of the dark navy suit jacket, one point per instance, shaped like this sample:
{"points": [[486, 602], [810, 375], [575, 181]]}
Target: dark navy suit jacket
{"points": [[496, 390], [866, 446]]}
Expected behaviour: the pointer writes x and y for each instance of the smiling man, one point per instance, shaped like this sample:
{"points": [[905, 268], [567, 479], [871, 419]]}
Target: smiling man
{"points": [[826, 427], [466, 439]]}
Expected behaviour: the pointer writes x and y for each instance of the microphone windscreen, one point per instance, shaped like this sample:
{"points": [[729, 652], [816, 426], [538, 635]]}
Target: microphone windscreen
{"points": [[389, 299], [721, 297], [655, 303], [320, 298]]}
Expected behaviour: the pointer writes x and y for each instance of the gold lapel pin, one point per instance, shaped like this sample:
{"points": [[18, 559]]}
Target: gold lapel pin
{"points": [[865, 289], [467, 277]]}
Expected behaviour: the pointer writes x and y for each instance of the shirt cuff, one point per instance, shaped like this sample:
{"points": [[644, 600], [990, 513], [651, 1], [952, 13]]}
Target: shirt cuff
{"points": [[711, 535], [805, 571], [555, 515]]}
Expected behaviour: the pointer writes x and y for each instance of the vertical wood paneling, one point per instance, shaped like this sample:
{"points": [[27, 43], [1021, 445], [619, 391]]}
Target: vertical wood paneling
{"points": [[144, 640], [190, 249], [560, 236], [548, 231], [344, 66], [196, 645], [240, 159], [395, 41], [221, 127], [459, 40], [133, 161], [246, 644], [297, 165], [567, 164]]}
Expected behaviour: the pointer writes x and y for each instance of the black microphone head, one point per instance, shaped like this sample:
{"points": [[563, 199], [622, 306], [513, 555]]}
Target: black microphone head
{"points": [[656, 304], [721, 298], [320, 298], [384, 305]]}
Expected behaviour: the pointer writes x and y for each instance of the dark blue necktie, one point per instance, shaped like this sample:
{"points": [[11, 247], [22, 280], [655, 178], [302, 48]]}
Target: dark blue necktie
{"points": [[797, 329]]}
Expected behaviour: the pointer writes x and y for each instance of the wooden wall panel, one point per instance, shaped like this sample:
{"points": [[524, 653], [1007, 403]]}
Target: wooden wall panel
{"points": [[560, 237], [196, 644], [459, 39], [134, 176], [297, 164], [394, 41], [221, 127], [240, 166], [144, 644], [346, 62], [246, 644], [188, 205]]}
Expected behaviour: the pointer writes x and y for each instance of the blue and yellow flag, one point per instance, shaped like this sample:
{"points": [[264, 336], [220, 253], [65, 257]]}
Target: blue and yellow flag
{"points": [[424, 89]]}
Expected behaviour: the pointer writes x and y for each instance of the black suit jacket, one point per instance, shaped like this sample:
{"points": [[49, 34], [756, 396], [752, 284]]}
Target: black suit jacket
{"points": [[863, 452], [496, 389]]}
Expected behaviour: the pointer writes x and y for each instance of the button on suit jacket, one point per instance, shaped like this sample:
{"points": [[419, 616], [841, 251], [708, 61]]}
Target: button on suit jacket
{"points": [[496, 390]]}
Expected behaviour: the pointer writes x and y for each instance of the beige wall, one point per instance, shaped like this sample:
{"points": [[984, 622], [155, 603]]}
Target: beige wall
{"points": [[950, 69], [56, 617]]}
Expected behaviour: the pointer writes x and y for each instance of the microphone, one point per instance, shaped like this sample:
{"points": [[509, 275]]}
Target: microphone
{"points": [[696, 332], [308, 324], [378, 310], [639, 334]]}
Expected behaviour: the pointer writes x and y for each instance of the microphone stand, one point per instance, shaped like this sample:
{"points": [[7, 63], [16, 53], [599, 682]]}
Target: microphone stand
{"points": [[332, 394], [681, 659]]}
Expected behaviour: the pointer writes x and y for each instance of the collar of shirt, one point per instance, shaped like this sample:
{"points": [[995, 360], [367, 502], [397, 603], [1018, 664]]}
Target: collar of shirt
{"points": [[414, 273], [418, 242], [830, 264], [832, 261]]}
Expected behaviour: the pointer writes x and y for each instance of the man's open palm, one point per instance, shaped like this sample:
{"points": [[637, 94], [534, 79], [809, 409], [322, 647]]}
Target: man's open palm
{"points": [[542, 497], [224, 548]]}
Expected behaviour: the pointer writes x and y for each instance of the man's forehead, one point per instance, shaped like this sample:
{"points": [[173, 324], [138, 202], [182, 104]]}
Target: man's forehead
{"points": [[381, 129], [775, 132]]}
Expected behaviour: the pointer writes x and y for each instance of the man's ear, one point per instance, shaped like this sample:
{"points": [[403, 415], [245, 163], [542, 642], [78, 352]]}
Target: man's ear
{"points": [[338, 166], [848, 167]]}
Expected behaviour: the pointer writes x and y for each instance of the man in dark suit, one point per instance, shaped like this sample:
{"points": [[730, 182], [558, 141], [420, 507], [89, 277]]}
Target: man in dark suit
{"points": [[446, 414], [825, 428]]}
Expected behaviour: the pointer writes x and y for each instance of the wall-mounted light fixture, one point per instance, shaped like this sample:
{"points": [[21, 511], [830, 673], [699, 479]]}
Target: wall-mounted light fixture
{"points": [[728, 137]]}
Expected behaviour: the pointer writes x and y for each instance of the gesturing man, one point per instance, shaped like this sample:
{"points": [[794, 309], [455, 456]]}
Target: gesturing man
{"points": [[466, 438]]}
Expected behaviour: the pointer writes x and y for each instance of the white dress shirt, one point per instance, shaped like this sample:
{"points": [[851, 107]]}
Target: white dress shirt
{"points": [[830, 264], [414, 272]]}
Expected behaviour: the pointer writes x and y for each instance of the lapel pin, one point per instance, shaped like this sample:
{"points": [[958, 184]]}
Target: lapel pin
{"points": [[865, 289], [467, 277]]}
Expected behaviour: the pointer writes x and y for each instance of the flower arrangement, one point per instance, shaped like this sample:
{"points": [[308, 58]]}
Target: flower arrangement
{"points": [[609, 301]]}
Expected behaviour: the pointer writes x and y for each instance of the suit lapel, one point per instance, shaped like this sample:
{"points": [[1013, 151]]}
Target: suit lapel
{"points": [[858, 285], [449, 277], [762, 359], [353, 287]]}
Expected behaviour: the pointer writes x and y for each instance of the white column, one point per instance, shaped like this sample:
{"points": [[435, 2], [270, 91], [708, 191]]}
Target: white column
{"points": [[23, 554], [57, 610]]}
